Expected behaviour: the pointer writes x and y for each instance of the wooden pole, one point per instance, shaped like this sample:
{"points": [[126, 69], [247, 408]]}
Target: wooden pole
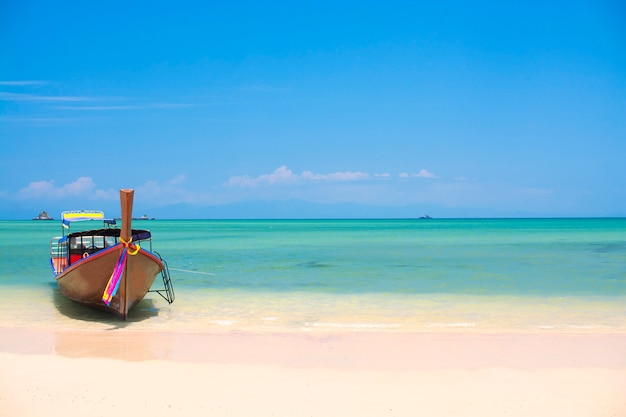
{"points": [[126, 202]]}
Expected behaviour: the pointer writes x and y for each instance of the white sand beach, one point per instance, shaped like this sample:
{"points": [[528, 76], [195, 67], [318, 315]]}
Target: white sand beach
{"points": [[57, 372]]}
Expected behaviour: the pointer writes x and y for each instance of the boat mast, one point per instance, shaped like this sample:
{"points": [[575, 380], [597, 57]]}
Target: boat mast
{"points": [[126, 203]]}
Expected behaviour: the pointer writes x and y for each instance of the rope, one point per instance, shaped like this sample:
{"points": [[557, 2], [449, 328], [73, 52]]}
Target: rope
{"points": [[132, 249], [192, 272]]}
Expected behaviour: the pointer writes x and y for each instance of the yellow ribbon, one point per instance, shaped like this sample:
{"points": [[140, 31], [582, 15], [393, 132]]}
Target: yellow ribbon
{"points": [[132, 249]]}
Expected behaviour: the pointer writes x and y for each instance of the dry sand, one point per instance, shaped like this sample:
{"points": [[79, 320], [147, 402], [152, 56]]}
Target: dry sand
{"points": [[58, 372]]}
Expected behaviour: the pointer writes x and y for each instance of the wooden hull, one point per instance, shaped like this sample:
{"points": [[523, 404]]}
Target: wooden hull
{"points": [[86, 280]]}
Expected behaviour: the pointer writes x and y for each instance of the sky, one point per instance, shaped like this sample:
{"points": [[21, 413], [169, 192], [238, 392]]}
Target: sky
{"points": [[314, 109]]}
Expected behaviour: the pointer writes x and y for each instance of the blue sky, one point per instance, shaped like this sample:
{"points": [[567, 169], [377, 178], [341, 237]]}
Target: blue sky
{"points": [[314, 109]]}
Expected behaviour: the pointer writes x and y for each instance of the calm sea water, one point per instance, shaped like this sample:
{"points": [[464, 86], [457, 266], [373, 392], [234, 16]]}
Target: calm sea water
{"points": [[307, 275]]}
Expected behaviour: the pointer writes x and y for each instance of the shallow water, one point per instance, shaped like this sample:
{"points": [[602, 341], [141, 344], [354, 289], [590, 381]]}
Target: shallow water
{"points": [[325, 275]]}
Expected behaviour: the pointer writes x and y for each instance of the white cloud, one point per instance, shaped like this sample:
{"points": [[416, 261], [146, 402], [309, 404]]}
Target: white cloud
{"points": [[37, 189], [345, 176], [96, 108], [281, 175], [84, 190], [158, 191], [83, 103], [21, 83], [140, 106], [5, 96], [180, 179], [82, 187], [173, 191], [535, 191], [36, 120], [421, 174], [164, 105], [284, 176]]}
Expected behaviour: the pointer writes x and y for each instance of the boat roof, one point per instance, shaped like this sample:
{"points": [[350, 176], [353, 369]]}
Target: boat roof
{"points": [[82, 215]]}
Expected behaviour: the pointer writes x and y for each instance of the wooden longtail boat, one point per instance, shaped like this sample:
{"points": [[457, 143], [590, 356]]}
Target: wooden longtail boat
{"points": [[107, 268]]}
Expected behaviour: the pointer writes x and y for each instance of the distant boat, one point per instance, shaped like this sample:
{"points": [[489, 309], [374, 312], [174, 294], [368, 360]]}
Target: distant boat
{"points": [[43, 216], [425, 217], [144, 217], [106, 268]]}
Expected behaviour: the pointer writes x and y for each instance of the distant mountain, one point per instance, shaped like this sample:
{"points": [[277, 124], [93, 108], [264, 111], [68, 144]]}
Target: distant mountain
{"points": [[290, 209]]}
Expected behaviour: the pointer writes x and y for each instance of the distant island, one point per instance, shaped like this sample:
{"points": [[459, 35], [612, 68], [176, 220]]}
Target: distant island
{"points": [[43, 216], [425, 216]]}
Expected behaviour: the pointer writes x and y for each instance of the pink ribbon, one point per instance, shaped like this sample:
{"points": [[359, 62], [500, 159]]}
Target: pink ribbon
{"points": [[114, 281]]}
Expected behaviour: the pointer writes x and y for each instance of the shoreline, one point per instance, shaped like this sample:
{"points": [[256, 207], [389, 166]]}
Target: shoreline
{"points": [[267, 312], [69, 372]]}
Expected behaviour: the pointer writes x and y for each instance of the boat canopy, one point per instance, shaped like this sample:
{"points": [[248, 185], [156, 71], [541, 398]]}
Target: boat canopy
{"points": [[137, 234], [83, 215]]}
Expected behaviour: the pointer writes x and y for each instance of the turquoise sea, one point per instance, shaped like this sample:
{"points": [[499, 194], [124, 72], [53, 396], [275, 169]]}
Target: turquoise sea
{"points": [[518, 275]]}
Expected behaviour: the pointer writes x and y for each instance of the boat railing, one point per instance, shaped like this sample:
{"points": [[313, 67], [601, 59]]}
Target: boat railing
{"points": [[167, 292], [58, 254]]}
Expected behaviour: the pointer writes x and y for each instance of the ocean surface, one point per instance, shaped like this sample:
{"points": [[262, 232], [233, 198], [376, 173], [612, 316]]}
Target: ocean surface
{"points": [[483, 275]]}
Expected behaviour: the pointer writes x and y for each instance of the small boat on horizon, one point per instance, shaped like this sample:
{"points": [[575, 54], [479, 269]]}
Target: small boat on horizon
{"points": [[108, 268], [144, 217]]}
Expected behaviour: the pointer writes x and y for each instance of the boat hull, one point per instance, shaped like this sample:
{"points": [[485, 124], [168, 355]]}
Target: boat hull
{"points": [[85, 281]]}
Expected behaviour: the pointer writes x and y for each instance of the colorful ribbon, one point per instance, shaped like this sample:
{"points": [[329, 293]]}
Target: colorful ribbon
{"points": [[116, 277], [114, 281]]}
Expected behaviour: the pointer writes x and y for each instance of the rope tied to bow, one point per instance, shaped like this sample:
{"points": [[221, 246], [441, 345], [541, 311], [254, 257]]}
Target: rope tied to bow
{"points": [[132, 248]]}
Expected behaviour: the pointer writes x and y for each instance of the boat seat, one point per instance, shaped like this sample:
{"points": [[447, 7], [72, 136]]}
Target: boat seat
{"points": [[75, 257]]}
